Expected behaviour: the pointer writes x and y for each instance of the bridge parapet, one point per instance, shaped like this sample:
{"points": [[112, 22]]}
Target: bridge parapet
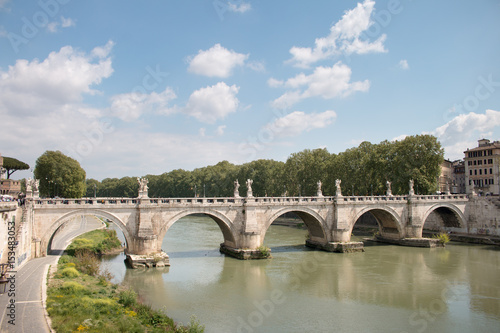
{"points": [[446, 197], [368, 199]]}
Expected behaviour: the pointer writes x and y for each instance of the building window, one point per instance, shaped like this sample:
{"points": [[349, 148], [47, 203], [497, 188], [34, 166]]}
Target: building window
{"points": [[491, 171], [475, 172], [480, 162], [475, 162], [470, 172], [480, 171]]}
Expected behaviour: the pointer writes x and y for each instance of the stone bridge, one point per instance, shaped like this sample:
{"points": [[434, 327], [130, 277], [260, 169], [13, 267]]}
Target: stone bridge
{"points": [[244, 221]]}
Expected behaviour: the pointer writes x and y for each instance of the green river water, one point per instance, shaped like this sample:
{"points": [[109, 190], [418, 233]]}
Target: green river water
{"points": [[387, 288]]}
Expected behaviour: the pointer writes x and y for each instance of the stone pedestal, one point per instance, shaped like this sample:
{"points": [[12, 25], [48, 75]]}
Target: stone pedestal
{"points": [[160, 259], [245, 254]]}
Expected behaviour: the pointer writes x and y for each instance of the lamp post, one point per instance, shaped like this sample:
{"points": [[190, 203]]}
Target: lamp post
{"points": [[195, 191], [300, 190], [95, 187], [203, 190], [371, 186]]}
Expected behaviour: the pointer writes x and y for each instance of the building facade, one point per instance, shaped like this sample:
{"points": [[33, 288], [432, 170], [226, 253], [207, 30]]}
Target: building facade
{"points": [[482, 168], [445, 178], [458, 177]]}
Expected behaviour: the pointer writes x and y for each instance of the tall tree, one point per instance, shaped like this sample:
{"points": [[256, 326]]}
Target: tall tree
{"points": [[60, 175], [12, 165]]}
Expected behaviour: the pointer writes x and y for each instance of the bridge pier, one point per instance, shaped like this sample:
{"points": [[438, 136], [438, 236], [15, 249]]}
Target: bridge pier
{"points": [[146, 252]]}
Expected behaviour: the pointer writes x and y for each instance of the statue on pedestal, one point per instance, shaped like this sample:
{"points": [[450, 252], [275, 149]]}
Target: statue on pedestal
{"points": [[411, 184], [236, 189], [319, 192], [143, 187], [249, 188], [339, 190], [389, 191]]}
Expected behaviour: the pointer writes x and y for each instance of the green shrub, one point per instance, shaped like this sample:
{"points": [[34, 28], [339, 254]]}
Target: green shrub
{"points": [[442, 237], [69, 272], [87, 262], [65, 259], [72, 288], [264, 251], [127, 298]]}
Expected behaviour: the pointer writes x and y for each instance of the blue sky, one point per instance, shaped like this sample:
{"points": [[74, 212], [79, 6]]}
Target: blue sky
{"points": [[131, 88]]}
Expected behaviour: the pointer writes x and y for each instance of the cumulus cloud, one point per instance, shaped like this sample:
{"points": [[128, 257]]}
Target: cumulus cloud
{"points": [[131, 106], [297, 122], [463, 131], [326, 82], [216, 62], [346, 37], [212, 103], [41, 101], [403, 64], [34, 87]]}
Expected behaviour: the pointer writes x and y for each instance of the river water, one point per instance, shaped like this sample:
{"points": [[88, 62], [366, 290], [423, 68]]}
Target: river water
{"points": [[387, 288]]}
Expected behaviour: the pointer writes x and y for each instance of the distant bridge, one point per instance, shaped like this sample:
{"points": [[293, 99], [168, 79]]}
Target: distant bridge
{"points": [[244, 221]]}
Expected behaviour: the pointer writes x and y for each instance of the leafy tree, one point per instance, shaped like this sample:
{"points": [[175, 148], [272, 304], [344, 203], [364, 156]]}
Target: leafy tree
{"points": [[302, 171], [60, 175], [12, 165], [93, 186]]}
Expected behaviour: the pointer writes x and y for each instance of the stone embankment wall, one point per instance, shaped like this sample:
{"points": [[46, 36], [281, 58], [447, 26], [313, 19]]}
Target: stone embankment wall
{"points": [[484, 216], [14, 225]]}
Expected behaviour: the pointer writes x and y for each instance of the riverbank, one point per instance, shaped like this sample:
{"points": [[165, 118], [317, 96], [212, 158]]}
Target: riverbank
{"points": [[80, 297]]}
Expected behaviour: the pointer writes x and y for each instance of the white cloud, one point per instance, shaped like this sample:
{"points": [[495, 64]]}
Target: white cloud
{"points": [[345, 38], [41, 101], [34, 87], [297, 122], [63, 23], [256, 66], [274, 83], [238, 8], [403, 64], [216, 62], [212, 103], [67, 22], [326, 82], [220, 130], [400, 137], [131, 106]]}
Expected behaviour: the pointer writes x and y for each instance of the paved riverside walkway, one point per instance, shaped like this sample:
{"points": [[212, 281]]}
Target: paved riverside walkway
{"points": [[30, 283]]}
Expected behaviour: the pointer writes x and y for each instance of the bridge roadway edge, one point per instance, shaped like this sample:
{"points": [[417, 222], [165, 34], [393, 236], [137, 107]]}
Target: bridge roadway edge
{"points": [[244, 220]]}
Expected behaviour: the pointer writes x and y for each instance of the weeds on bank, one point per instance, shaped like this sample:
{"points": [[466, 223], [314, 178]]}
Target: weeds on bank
{"points": [[442, 237], [81, 298]]}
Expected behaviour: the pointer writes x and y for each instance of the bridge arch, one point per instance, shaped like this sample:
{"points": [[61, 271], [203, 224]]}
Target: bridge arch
{"points": [[314, 222], [388, 220], [450, 215], [224, 223], [47, 239]]}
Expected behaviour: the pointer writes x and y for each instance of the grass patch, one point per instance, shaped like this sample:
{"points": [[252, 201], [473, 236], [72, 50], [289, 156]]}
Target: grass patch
{"points": [[97, 241], [80, 298]]}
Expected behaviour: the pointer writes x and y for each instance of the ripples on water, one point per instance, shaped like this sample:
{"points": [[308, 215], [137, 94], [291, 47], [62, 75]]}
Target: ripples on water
{"points": [[385, 289]]}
